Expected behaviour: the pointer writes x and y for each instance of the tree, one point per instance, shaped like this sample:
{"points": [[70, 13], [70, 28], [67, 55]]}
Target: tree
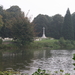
{"points": [[16, 25], [67, 30], [53, 25], [56, 26], [42, 21], [73, 20], [8, 15], [1, 10], [22, 31], [1, 22]]}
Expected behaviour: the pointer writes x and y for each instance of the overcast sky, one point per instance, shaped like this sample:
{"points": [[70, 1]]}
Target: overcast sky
{"points": [[48, 7]]}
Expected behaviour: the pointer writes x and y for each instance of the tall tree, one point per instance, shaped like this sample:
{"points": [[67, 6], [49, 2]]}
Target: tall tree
{"points": [[1, 10], [73, 20], [41, 21], [67, 30], [56, 26], [8, 15], [16, 25], [1, 24], [53, 25], [22, 31]]}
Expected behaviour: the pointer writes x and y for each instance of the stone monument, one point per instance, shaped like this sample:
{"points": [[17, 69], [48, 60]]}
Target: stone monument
{"points": [[43, 36]]}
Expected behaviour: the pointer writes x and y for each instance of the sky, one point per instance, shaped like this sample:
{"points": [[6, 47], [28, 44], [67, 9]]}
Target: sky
{"points": [[46, 7]]}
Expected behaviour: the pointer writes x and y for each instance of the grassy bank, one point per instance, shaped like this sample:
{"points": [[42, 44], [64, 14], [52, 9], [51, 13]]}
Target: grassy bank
{"points": [[44, 43], [53, 44]]}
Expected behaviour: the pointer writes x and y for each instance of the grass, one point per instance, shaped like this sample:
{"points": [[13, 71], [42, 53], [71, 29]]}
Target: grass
{"points": [[53, 44], [42, 44], [45, 43]]}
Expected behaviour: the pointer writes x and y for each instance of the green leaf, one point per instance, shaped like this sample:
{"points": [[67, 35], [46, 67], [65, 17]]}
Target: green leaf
{"points": [[74, 68], [61, 70], [39, 70], [74, 64]]}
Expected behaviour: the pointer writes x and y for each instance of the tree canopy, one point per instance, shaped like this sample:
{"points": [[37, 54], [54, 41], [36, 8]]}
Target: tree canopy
{"points": [[56, 26], [52, 24], [15, 25], [67, 30]]}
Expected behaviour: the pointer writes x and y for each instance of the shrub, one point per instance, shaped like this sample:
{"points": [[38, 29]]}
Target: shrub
{"points": [[69, 44], [1, 41], [74, 60]]}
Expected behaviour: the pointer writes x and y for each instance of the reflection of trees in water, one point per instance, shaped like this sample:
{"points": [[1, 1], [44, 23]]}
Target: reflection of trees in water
{"points": [[29, 60], [1, 62], [48, 54], [17, 60], [42, 54]]}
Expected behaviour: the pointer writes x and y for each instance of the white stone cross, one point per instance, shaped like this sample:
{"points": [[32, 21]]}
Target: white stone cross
{"points": [[43, 36]]}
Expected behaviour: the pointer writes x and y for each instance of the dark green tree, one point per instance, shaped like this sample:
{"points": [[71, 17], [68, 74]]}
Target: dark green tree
{"points": [[16, 25], [20, 26], [1, 10], [1, 24], [67, 29], [22, 31], [7, 17], [56, 26], [53, 25], [73, 20], [41, 21]]}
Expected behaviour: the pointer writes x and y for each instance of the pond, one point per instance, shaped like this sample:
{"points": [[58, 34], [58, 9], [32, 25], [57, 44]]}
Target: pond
{"points": [[29, 61]]}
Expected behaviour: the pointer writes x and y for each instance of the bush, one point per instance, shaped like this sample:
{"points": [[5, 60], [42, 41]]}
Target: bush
{"points": [[69, 44], [56, 45], [61, 40], [1, 41]]}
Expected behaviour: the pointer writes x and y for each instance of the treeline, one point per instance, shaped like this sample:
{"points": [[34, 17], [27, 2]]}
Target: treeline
{"points": [[56, 26], [14, 24]]}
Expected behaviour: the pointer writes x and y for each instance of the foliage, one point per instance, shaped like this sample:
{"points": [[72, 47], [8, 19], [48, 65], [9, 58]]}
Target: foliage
{"points": [[74, 60], [9, 73], [41, 21], [62, 41], [40, 72], [1, 41], [45, 72], [67, 29], [69, 44], [73, 21], [53, 44], [45, 43], [56, 26], [14, 24], [52, 24], [22, 31]]}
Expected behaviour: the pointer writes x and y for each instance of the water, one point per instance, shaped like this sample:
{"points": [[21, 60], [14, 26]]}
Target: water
{"points": [[29, 61]]}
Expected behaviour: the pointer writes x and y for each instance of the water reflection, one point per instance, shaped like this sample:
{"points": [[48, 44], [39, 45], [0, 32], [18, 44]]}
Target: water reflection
{"points": [[29, 61], [16, 61]]}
